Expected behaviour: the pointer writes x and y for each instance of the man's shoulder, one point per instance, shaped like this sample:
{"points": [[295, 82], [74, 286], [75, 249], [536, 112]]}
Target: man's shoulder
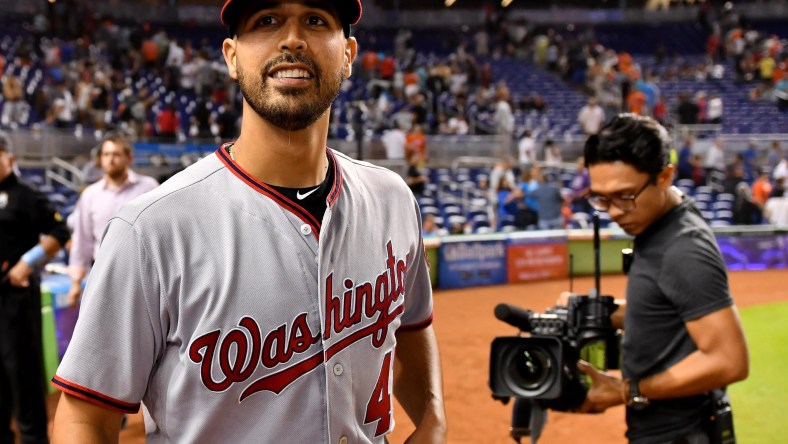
{"points": [[146, 181], [188, 184], [93, 188], [687, 232], [359, 172]]}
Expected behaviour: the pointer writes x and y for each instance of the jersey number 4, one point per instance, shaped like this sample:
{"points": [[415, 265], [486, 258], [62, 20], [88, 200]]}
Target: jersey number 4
{"points": [[379, 405]]}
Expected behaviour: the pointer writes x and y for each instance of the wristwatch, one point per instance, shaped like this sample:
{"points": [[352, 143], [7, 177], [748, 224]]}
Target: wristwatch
{"points": [[636, 400]]}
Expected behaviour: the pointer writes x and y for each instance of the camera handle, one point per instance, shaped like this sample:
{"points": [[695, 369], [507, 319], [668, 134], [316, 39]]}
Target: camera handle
{"points": [[528, 419]]}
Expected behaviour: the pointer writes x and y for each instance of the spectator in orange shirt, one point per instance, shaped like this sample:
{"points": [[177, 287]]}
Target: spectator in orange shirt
{"points": [[150, 53], [761, 189], [635, 102], [416, 144], [369, 65]]}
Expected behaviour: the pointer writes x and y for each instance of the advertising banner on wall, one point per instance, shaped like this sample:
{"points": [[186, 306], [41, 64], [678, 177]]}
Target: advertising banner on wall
{"points": [[472, 262], [431, 246], [754, 252], [534, 258]]}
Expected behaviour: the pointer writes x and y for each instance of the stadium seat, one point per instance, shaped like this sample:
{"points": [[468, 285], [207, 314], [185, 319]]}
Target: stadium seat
{"points": [[427, 202], [726, 215], [430, 210], [703, 197], [723, 197], [452, 211], [722, 205], [704, 189]]}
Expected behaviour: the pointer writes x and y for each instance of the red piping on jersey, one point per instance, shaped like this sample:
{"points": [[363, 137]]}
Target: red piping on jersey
{"points": [[416, 327], [93, 396], [277, 197], [338, 179]]}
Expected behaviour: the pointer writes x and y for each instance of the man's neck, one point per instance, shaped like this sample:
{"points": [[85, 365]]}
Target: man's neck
{"points": [[293, 159], [672, 200], [117, 181]]}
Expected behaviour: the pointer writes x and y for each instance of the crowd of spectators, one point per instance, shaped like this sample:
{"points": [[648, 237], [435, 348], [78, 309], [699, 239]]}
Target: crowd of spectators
{"points": [[99, 75]]}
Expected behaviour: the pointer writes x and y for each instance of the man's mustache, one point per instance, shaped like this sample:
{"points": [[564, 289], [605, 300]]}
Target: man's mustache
{"points": [[291, 59]]}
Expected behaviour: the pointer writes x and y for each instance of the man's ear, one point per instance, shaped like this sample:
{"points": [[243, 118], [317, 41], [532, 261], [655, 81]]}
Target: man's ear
{"points": [[229, 53], [351, 50], [665, 177]]}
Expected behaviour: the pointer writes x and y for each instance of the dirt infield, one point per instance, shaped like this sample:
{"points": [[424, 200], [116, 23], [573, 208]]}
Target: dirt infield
{"points": [[465, 327]]}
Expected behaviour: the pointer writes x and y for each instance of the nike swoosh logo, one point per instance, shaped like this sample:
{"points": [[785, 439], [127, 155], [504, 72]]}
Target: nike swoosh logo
{"points": [[305, 195]]}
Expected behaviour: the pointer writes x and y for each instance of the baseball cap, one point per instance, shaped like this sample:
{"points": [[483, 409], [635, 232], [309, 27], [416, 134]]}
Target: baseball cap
{"points": [[349, 13]]}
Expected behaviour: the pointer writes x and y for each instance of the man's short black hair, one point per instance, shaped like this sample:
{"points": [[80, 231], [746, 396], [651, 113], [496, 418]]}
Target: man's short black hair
{"points": [[635, 140]]}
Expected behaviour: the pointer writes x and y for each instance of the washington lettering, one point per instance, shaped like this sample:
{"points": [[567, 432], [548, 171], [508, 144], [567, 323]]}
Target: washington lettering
{"points": [[378, 301]]}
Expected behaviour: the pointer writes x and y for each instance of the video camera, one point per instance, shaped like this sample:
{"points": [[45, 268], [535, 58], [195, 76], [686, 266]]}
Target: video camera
{"points": [[540, 370], [543, 365]]}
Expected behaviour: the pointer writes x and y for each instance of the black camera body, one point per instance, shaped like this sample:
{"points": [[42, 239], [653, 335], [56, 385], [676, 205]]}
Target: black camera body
{"points": [[543, 366]]}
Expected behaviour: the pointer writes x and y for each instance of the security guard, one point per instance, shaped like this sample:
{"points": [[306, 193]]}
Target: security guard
{"points": [[31, 232]]}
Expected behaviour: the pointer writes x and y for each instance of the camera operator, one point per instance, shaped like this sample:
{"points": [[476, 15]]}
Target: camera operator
{"points": [[683, 337]]}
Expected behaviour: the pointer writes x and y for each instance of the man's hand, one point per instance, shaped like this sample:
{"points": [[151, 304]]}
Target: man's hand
{"points": [[19, 274], [74, 293], [606, 390]]}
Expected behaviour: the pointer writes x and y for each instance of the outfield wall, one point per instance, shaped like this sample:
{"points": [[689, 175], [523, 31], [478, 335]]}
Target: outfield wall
{"points": [[464, 261], [493, 259]]}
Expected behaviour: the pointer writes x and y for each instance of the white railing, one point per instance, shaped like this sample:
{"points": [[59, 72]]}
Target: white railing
{"points": [[64, 173]]}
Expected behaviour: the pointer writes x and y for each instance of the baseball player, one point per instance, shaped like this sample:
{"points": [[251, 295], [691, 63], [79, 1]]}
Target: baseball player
{"points": [[265, 293]]}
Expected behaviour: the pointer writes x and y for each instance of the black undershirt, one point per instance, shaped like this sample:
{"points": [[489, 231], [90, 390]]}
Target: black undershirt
{"points": [[314, 202]]}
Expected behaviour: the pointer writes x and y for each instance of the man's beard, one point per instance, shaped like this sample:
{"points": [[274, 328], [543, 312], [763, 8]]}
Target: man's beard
{"points": [[115, 173], [297, 109]]}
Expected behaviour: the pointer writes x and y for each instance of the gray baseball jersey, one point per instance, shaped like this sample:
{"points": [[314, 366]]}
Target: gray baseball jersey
{"points": [[235, 316]]}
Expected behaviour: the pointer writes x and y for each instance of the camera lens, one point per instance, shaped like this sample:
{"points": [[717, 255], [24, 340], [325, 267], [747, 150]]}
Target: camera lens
{"points": [[528, 370]]}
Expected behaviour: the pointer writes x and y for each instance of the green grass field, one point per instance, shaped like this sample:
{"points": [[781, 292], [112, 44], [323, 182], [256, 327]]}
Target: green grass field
{"points": [[759, 402]]}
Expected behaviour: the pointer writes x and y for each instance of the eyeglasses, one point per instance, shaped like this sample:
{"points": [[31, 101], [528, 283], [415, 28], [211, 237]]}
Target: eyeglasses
{"points": [[623, 203]]}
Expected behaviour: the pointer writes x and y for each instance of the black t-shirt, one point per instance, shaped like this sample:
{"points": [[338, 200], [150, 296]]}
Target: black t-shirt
{"points": [[677, 275], [312, 199], [688, 113], [416, 186], [25, 214]]}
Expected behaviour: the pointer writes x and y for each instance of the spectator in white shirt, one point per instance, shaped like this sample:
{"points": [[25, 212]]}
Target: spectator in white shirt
{"points": [[526, 149], [394, 140], [591, 117], [714, 109], [775, 211], [781, 170], [715, 160], [552, 153], [458, 124]]}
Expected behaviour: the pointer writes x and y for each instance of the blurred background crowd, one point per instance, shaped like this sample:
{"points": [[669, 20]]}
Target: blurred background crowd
{"points": [[519, 92]]}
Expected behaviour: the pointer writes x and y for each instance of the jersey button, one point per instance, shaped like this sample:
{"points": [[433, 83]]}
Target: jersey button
{"points": [[306, 230], [343, 440], [338, 371]]}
